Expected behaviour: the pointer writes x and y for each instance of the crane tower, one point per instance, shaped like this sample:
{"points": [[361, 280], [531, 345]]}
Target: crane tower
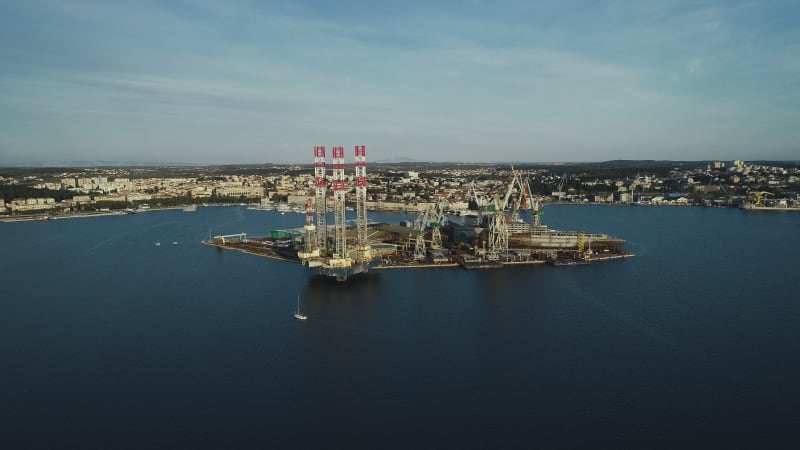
{"points": [[419, 233], [339, 191], [362, 246], [320, 192], [436, 221], [498, 230], [310, 250]]}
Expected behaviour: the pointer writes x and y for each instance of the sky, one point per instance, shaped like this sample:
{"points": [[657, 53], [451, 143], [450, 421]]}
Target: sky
{"points": [[222, 81]]}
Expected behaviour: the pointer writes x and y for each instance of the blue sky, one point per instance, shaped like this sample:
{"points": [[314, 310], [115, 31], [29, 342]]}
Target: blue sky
{"points": [[252, 82]]}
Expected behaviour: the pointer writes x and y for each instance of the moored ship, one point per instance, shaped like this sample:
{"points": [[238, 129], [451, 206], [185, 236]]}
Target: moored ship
{"points": [[776, 207], [760, 201]]}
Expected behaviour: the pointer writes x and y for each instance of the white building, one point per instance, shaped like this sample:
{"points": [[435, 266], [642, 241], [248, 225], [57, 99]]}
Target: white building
{"points": [[250, 192]]}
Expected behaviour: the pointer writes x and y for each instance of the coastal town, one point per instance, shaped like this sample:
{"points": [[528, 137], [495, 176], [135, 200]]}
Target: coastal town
{"points": [[409, 187]]}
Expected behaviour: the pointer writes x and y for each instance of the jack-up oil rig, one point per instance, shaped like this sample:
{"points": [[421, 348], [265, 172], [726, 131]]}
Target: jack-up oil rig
{"points": [[334, 257]]}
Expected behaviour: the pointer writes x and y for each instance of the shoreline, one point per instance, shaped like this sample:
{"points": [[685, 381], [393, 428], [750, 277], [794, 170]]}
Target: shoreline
{"points": [[40, 217]]}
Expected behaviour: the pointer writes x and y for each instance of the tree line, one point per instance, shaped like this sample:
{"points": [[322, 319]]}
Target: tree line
{"points": [[10, 192]]}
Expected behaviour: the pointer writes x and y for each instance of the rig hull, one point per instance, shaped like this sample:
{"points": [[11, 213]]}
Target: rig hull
{"points": [[343, 273]]}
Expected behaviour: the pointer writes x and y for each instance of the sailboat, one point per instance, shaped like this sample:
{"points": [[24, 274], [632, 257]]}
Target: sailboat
{"points": [[297, 314]]}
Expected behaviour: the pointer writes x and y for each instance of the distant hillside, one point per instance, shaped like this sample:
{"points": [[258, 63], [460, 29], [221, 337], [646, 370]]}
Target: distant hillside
{"points": [[99, 164], [398, 160]]}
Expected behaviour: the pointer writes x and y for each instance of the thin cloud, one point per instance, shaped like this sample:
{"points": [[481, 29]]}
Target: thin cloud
{"points": [[585, 80]]}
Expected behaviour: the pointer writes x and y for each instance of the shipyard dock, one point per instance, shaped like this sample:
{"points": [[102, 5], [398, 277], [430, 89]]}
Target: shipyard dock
{"points": [[395, 249], [486, 238]]}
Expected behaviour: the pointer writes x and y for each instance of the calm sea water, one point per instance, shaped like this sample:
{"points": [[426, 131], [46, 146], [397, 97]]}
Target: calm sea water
{"points": [[108, 341]]}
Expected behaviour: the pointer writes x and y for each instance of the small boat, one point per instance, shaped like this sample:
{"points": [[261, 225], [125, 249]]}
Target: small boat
{"points": [[174, 242], [297, 314], [158, 244]]}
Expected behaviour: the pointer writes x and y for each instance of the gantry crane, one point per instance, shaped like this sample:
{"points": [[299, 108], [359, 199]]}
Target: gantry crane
{"points": [[436, 222], [498, 222], [498, 230], [419, 233]]}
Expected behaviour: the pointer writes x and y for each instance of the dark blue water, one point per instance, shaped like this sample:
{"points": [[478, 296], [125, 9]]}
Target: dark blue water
{"points": [[108, 341]]}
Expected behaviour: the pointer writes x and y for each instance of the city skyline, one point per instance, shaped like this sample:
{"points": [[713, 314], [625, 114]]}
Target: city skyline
{"points": [[215, 82]]}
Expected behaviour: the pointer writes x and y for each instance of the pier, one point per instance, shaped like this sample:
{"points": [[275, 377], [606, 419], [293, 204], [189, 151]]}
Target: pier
{"points": [[262, 247], [238, 237]]}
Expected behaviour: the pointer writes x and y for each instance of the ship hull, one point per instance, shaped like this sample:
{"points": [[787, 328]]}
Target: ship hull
{"points": [[567, 262], [558, 239], [753, 207]]}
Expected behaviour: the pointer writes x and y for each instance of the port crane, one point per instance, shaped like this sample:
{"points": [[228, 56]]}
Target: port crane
{"points": [[498, 221], [523, 200], [757, 196], [432, 216], [473, 195], [419, 233], [729, 200], [436, 220], [498, 230], [560, 189], [528, 201]]}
